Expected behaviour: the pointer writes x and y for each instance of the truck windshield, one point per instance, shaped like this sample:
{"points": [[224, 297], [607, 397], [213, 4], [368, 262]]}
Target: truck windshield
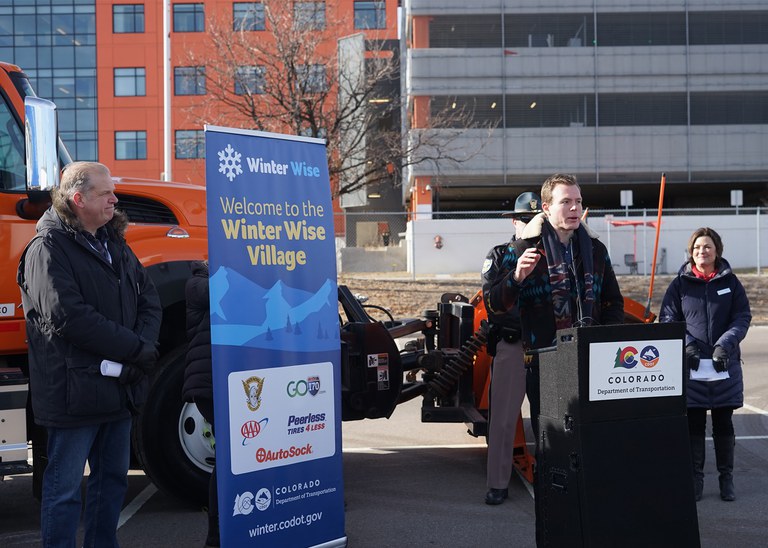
{"points": [[22, 85], [12, 168]]}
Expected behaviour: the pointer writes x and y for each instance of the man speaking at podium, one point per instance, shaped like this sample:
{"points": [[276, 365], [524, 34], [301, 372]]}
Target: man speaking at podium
{"points": [[558, 274]]}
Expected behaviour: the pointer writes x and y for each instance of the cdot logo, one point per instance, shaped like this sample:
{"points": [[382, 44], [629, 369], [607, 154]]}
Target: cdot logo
{"points": [[229, 163], [302, 387], [263, 499], [649, 357]]}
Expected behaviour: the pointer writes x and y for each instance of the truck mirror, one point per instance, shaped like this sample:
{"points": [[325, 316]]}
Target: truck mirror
{"points": [[41, 129]]}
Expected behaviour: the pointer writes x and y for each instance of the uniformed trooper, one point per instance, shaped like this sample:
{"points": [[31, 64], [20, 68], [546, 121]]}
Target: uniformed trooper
{"points": [[508, 370]]}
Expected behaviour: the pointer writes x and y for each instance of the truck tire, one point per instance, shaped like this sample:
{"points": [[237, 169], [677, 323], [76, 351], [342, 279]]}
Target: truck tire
{"points": [[172, 441]]}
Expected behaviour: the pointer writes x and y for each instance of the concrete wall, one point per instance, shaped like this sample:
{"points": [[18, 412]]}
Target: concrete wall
{"points": [[372, 259]]}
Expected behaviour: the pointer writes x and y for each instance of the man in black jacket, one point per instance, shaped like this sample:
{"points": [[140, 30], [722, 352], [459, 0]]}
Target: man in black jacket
{"points": [[86, 299], [558, 275]]}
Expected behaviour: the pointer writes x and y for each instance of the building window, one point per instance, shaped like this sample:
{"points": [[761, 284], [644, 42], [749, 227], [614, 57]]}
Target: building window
{"points": [[641, 29], [189, 80], [249, 80], [728, 27], [466, 111], [370, 15], [55, 42], [643, 109], [130, 145], [550, 110], [127, 18], [309, 15], [311, 78], [728, 108], [190, 144], [461, 31], [320, 133], [130, 82], [188, 18], [551, 30], [248, 16]]}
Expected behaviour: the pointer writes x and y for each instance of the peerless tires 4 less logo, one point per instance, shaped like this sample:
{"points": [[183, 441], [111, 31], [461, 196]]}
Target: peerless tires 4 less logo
{"points": [[280, 416]]}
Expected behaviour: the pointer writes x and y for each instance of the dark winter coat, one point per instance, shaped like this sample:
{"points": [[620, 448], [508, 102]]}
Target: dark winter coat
{"points": [[716, 313], [534, 295], [80, 310], [198, 375], [489, 275], [507, 324]]}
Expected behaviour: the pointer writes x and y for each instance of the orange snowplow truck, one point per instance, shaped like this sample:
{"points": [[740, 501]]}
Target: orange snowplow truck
{"points": [[167, 232]]}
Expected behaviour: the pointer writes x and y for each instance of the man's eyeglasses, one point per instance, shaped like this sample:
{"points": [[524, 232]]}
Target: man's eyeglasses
{"points": [[523, 218]]}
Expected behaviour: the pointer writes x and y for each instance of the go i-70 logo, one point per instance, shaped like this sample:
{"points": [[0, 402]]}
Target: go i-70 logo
{"points": [[628, 357], [303, 387]]}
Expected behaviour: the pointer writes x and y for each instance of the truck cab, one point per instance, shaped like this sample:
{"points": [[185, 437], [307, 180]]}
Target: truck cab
{"points": [[168, 233]]}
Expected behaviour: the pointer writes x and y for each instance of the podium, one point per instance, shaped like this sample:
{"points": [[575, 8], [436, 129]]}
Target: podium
{"points": [[613, 453]]}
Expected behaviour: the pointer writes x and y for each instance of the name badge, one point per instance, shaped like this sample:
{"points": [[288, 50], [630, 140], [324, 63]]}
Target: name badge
{"points": [[724, 291]]}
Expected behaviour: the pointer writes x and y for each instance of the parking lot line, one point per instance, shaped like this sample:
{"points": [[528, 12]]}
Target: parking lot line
{"points": [[136, 504]]}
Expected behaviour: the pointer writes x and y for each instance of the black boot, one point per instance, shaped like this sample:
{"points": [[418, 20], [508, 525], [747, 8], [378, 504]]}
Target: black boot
{"points": [[698, 453], [724, 447]]}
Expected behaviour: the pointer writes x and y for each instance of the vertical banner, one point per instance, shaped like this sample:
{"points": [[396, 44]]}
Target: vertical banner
{"points": [[275, 340]]}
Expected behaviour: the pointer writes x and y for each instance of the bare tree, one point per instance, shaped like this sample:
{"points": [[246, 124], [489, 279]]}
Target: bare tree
{"points": [[295, 77]]}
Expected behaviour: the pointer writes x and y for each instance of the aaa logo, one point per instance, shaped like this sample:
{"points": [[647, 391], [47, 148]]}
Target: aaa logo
{"points": [[625, 357]]}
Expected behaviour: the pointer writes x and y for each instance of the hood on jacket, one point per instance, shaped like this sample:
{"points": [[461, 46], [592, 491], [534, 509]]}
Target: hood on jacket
{"points": [[59, 215], [533, 229], [723, 269]]}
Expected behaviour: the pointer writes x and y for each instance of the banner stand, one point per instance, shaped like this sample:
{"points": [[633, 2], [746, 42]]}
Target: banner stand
{"points": [[275, 340]]}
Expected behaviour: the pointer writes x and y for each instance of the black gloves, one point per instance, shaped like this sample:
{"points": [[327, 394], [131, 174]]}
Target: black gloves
{"points": [[145, 357], [692, 356], [130, 375], [720, 359]]}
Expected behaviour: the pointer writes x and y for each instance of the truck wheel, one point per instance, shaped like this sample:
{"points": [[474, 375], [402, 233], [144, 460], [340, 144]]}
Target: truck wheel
{"points": [[171, 439]]}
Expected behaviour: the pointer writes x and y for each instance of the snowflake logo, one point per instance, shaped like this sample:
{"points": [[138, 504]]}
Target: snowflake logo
{"points": [[229, 163]]}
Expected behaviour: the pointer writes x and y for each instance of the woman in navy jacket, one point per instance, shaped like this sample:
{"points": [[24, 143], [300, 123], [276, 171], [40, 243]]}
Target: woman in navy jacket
{"points": [[708, 296]]}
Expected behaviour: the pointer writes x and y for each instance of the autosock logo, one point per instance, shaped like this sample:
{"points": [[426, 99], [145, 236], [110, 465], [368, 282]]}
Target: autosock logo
{"points": [[266, 455]]}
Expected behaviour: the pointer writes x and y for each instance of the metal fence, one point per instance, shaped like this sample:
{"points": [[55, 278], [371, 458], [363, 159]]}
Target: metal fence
{"points": [[428, 244]]}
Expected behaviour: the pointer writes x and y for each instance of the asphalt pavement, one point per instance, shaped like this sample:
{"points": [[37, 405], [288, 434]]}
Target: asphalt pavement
{"points": [[408, 483]]}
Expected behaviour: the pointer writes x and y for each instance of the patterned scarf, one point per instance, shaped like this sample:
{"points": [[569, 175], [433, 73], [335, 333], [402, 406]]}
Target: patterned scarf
{"points": [[560, 281]]}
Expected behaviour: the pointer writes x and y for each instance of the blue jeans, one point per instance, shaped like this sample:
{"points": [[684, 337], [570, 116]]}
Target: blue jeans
{"points": [[106, 447]]}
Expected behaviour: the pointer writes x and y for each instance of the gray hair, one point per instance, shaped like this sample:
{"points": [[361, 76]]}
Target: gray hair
{"points": [[77, 177]]}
